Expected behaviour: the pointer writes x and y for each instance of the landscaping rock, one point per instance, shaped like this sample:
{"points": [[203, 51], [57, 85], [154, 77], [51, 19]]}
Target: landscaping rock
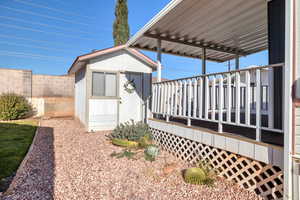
{"points": [[67, 163]]}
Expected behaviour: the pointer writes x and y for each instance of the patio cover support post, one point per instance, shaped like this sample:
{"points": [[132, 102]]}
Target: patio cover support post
{"points": [[203, 60], [237, 62], [203, 72], [158, 60]]}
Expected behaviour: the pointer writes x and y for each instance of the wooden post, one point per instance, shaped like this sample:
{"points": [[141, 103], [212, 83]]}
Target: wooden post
{"points": [[158, 60]]}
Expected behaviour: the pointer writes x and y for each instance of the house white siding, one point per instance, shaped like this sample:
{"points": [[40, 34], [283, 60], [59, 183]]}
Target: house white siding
{"points": [[297, 111], [80, 95]]}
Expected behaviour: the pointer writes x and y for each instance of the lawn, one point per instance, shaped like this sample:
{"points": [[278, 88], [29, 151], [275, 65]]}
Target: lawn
{"points": [[15, 140]]}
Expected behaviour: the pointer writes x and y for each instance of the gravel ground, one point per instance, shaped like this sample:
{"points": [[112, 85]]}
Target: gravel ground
{"points": [[68, 163]]}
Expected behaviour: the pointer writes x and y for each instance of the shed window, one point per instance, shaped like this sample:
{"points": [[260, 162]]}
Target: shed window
{"points": [[104, 84]]}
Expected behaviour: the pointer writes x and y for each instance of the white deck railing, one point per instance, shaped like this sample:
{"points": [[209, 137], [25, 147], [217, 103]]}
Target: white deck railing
{"points": [[222, 98]]}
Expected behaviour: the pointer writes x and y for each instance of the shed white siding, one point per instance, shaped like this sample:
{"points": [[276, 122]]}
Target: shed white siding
{"points": [[105, 114], [80, 95], [119, 61]]}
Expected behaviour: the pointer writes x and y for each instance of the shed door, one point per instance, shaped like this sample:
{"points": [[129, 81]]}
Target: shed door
{"points": [[131, 103]]}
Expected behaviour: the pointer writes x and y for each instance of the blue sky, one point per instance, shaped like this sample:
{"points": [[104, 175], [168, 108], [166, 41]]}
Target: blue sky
{"points": [[46, 36]]}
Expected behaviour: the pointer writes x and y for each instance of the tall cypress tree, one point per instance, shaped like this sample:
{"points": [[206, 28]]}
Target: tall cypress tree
{"points": [[121, 27]]}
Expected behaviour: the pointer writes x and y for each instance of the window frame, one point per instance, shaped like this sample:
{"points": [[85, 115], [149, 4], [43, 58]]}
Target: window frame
{"points": [[104, 72]]}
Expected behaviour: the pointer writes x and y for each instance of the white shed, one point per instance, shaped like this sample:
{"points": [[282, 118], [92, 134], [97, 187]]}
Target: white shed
{"points": [[112, 86]]}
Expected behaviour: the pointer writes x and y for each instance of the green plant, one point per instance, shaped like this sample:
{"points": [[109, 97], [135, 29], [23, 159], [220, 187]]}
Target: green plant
{"points": [[203, 174], [145, 141], [131, 131], [13, 106], [151, 152], [126, 153], [194, 175], [124, 143]]}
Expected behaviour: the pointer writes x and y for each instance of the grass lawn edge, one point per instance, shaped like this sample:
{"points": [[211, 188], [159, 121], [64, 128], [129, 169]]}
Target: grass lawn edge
{"points": [[21, 166]]}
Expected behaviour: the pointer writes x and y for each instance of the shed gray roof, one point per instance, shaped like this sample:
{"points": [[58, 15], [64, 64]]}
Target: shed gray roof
{"points": [[224, 27]]}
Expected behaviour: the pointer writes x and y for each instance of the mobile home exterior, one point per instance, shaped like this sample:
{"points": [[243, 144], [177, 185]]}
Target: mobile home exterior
{"points": [[207, 113]]}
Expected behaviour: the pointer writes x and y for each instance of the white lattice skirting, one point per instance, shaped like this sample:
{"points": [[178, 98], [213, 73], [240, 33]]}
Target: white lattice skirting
{"points": [[265, 179]]}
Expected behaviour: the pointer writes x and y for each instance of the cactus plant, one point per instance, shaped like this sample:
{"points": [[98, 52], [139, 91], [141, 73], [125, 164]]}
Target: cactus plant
{"points": [[195, 176], [124, 143], [151, 152], [145, 141]]}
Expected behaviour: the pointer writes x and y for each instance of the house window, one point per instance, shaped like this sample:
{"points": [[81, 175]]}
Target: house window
{"points": [[104, 84]]}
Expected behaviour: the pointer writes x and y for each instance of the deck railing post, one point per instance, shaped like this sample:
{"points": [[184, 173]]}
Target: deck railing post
{"points": [[247, 99], [189, 98], [184, 98], [195, 98], [206, 103], [237, 96], [176, 98], [270, 98], [172, 98], [164, 92], [200, 98], [213, 98], [168, 105], [180, 99], [228, 117], [220, 104], [258, 109]]}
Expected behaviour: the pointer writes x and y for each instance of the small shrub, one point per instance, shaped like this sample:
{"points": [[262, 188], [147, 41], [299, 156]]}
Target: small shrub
{"points": [[131, 131], [13, 106], [124, 143]]}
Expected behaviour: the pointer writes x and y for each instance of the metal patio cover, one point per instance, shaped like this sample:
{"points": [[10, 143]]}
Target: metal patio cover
{"points": [[224, 27]]}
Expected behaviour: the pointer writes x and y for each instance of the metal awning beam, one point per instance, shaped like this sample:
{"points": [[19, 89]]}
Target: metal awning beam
{"points": [[163, 50], [200, 44]]}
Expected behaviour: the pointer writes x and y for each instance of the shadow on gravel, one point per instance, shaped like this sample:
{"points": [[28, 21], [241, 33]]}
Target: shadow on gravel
{"points": [[35, 178]]}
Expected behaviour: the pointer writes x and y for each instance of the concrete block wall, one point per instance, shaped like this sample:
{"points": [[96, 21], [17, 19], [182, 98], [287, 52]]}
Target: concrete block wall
{"points": [[51, 96], [52, 86], [16, 81]]}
